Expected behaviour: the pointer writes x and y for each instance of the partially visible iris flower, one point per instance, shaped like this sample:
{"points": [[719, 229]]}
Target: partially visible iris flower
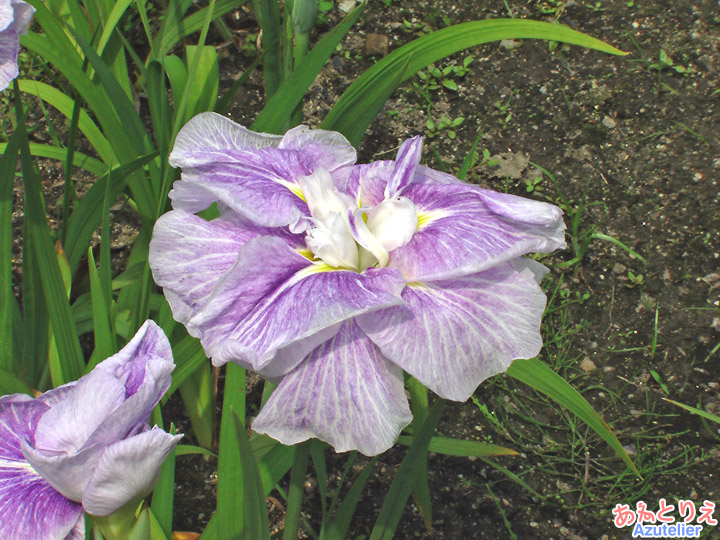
{"points": [[15, 15], [85, 446], [332, 278]]}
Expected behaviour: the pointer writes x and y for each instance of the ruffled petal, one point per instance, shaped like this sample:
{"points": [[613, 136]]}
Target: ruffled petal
{"points": [[127, 471], [275, 306], [210, 137], [29, 507], [254, 174], [453, 334], [259, 185], [189, 254], [345, 393], [464, 230]]}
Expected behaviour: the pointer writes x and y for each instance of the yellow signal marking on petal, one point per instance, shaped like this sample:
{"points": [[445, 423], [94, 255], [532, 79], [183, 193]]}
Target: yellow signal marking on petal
{"points": [[426, 218], [417, 285], [315, 268], [292, 187], [308, 254]]}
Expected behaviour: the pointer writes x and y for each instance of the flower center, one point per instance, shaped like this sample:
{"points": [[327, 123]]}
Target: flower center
{"points": [[345, 236]]}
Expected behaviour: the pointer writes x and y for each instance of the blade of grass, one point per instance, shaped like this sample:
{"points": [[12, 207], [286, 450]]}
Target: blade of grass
{"points": [[296, 490], [458, 447], [421, 490], [397, 496], [8, 163], [66, 105], [88, 212], [174, 32], [64, 331], [102, 330], [254, 508], [540, 377], [231, 503], [81, 161], [708, 416], [341, 521], [268, 15]]}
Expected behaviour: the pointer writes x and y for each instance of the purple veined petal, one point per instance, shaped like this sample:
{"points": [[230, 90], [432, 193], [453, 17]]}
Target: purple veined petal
{"points": [[127, 471], [426, 175], [275, 306], [147, 353], [254, 174], [453, 334], [345, 393], [66, 427], [325, 149], [259, 185], [109, 401], [464, 230], [407, 159], [22, 13], [66, 473], [29, 507], [208, 136], [9, 47], [189, 254], [366, 182]]}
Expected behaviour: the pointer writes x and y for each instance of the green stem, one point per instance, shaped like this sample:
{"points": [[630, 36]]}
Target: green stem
{"points": [[297, 488]]}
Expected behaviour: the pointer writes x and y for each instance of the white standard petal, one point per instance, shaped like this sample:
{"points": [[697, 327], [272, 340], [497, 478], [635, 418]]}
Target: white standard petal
{"points": [[330, 238], [393, 222], [331, 241]]}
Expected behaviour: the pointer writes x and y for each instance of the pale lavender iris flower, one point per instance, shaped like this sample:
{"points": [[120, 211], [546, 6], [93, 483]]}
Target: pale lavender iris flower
{"points": [[85, 446], [332, 278], [15, 15]]}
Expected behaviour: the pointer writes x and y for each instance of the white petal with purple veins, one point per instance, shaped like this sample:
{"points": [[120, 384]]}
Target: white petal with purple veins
{"points": [[209, 136], [345, 394], [277, 300], [464, 230], [189, 254], [29, 507], [453, 334]]}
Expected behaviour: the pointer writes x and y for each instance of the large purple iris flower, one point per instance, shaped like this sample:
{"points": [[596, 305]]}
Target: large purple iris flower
{"points": [[85, 446], [15, 15], [332, 278]]}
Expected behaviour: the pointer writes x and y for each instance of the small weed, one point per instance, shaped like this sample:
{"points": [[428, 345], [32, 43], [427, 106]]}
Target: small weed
{"points": [[634, 280], [433, 78], [445, 124], [502, 108], [533, 185]]}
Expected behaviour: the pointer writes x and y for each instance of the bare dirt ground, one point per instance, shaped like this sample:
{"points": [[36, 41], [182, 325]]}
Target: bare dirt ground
{"points": [[632, 146]]}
